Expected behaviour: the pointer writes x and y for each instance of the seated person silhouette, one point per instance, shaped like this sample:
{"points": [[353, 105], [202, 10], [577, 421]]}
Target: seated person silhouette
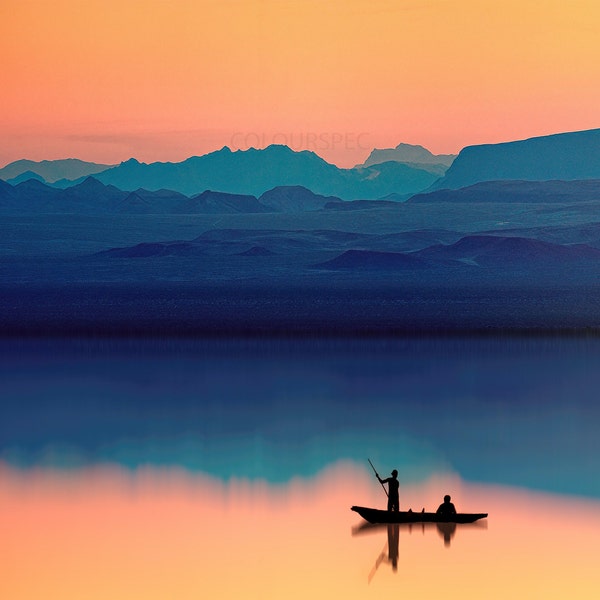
{"points": [[446, 508], [393, 485]]}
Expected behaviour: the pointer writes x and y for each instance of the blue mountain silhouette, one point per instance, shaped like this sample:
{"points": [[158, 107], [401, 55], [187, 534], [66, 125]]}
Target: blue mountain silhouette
{"points": [[256, 171], [568, 156], [52, 170]]}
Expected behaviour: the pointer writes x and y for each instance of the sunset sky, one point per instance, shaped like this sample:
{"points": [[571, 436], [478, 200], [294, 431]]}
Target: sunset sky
{"points": [[104, 80]]}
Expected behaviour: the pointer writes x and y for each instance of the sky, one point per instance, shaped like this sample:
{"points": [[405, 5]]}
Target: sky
{"points": [[159, 80]]}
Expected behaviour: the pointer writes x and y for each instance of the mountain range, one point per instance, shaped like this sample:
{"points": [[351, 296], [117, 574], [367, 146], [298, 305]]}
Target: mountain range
{"points": [[566, 156], [241, 172], [257, 171], [496, 253], [93, 197], [393, 174]]}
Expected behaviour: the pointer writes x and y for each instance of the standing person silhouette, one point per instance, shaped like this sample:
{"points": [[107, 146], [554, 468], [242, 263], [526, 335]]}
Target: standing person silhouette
{"points": [[393, 486]]}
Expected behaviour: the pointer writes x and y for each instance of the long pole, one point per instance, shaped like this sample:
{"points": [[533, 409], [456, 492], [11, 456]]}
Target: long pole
{"points": [[375, 470]]}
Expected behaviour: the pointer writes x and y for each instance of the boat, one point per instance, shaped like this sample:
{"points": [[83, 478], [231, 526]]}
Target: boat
{"points": [[374, 515]]}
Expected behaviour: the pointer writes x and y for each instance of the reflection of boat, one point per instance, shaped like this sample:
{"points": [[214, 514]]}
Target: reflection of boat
{"points": [[373, 515], [366, 528]]}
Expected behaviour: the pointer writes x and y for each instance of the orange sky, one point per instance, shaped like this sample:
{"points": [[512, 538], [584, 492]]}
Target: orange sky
{"points": [[104, 80]]}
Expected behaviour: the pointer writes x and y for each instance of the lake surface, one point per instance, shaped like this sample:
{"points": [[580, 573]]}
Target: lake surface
{"points": [[185, 469]]}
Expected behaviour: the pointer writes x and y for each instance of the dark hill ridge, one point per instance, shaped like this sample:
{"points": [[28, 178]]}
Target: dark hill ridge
{"points": [[295, 198], [210, 202], [31, 196], [136, 203], [155, 250], [250, 242], [510, 252], [369, 260], [586, 190], [565, 234], [564, 156], [360, 250], [256, 251], [492, 252], [143, 201], [91, 190], [90, 196]]}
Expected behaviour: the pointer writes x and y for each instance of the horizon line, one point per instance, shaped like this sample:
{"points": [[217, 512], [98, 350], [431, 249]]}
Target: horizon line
{"points": [[258, 149]]}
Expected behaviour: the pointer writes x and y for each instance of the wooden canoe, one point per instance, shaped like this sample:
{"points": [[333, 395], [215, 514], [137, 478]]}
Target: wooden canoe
{"points": [[374, 515]]}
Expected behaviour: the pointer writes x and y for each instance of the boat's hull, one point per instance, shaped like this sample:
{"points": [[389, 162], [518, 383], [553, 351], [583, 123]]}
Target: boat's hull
{"points": [[373, 515]]}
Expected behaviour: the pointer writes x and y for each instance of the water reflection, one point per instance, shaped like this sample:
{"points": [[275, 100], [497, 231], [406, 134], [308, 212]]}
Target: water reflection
{"points": [[391, 552], [391, 557], [154, 533], [446, 530], [508, 411]]}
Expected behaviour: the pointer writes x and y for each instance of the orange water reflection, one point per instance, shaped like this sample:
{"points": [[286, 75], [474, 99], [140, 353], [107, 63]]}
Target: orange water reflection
{"points": [[105, 533]]}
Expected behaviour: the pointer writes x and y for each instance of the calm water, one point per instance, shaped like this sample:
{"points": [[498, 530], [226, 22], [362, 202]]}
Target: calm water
{"points": [[176, 469]]}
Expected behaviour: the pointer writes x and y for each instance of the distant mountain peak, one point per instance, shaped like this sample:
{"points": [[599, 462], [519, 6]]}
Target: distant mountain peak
{"points": [[131, 162], [90, 183], [414, 148], [52, 170], [412, 154], [26, 175]]}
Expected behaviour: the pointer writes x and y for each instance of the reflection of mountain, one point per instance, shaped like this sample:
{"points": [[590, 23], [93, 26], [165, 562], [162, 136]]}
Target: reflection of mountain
{"points": [[566, 156]]}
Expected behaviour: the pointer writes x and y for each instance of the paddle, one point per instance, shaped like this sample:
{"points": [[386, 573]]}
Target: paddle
{"points": [[383, 486]]}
